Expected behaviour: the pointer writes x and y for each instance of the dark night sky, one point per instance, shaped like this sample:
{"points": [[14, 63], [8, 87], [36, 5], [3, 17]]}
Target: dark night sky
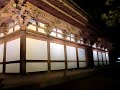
{"points": [[95, 8], [91, 6]]}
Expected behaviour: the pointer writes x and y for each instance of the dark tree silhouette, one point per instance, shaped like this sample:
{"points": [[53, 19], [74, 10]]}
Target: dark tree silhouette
{"points": [[112, 14]]}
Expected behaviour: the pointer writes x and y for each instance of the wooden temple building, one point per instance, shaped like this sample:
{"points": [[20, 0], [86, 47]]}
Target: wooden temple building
{"points": [[48, 35]]}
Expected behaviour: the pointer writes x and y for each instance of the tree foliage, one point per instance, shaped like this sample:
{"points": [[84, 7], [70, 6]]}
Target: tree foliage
{"points": [[111, 16]]}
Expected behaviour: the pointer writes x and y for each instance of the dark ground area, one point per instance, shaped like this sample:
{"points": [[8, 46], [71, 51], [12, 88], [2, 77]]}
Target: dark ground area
{"points": [[106, 78]]}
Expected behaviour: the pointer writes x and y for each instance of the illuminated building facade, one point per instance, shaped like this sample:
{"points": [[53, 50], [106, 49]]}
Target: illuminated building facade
{"points": [[47, 35]]}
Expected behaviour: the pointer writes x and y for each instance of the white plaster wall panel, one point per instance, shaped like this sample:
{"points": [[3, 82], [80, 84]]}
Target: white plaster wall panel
{"points": [[100, 56], [1, 52], [34, 67], [72, 65], [1, 68], [81, 54], [71, 53], [36, 49], [95, 56], [13, 50], [104, 58], [95, 63], [57, 65], [57, 51], [107, 57], [13, 68], [82, 64]]}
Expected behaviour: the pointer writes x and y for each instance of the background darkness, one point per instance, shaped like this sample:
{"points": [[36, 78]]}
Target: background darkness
{"points": [[95, 8]]}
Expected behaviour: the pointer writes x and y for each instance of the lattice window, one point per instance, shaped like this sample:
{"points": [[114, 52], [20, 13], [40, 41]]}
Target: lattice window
{"points": [[94, 46], [13, 27], [57, 33], [80, 41], [41, 27], [37, 26], [71, 37]]}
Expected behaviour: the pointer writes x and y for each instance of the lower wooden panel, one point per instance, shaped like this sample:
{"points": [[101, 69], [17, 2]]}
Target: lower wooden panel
{"points": [[57, 65], [104, 62], [35, 67], [101, 63], [13, 68], [82, 64], [95, 63], [108, 62], [1, 52], [72, 65], [1, 68]]}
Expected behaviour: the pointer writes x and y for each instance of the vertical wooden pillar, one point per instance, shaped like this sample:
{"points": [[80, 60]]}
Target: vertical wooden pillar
{"points": [[4, 57], [23, 51], [77, 58], [65, 52], [102, 59], [49, 61], [89, 56]]}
